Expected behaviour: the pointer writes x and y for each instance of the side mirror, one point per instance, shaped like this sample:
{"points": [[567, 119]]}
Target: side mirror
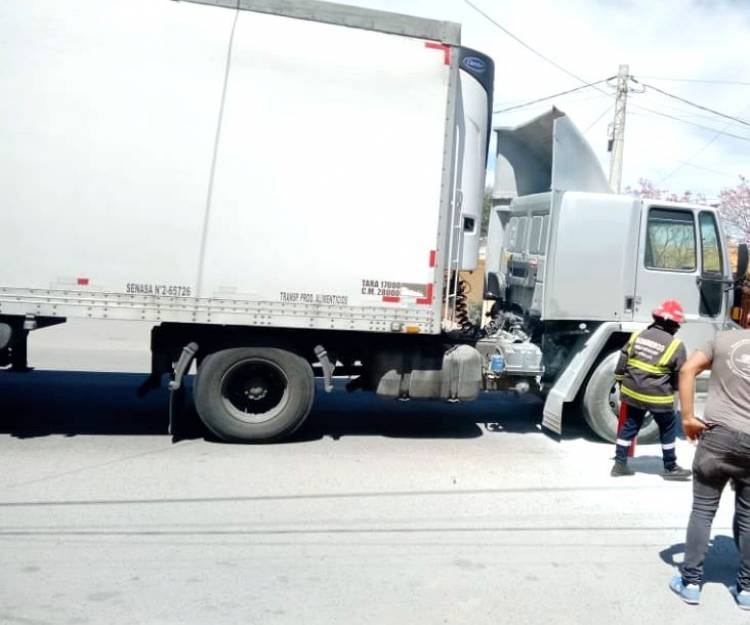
{"points": [[742, 261]]}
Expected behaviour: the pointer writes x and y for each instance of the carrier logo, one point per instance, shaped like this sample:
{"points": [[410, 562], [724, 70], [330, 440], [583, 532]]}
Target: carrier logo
{"points": [[739, 359], [475, 64]]}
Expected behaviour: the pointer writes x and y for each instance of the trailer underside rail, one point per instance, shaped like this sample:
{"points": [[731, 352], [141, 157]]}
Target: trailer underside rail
{"points": [[108, 305]]}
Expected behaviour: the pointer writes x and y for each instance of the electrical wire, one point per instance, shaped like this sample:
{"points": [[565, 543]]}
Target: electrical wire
{"points": [[550, 97], [713, 171], [700, 80], [690, 160], [573, 98], [684, 163], [682, 111], [684, 121], [598, 119], [694, 104], [528, 47]]}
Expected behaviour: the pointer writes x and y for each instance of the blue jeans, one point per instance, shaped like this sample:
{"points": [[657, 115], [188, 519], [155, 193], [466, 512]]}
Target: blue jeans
{"points": [[722, 454]]}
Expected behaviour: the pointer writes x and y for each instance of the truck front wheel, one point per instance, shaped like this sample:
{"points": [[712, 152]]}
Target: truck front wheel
{"points": [[601, 404], [253, 394]]}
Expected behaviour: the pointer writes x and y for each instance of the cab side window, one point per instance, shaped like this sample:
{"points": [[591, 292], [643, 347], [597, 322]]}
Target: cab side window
{"points": [[535, 240], [512, 233], [670, 240], [519, 245], [710, 244], [517, 234]]}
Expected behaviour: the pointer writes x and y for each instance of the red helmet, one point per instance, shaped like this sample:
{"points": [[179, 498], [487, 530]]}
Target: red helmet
{"points": [[671, 310]]}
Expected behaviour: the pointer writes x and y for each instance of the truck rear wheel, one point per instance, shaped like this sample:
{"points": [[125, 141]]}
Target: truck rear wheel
{"points": [[601, 404], [253, 393]]}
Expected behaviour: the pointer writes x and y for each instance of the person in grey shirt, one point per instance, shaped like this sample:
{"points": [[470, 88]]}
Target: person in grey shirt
{"points": [[723, 454]]}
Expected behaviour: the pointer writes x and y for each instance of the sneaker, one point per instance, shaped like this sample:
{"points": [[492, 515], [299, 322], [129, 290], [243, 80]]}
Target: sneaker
{"points": [[742, 597], [689, 593], [677, 473], [621, 469]]}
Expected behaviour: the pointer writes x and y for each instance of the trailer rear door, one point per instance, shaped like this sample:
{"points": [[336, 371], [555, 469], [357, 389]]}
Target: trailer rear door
{"points": [[329, 166]]}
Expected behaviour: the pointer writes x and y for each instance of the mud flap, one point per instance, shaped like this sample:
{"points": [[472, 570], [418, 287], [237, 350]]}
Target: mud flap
{"points": [[570, 380], [177, 388]]}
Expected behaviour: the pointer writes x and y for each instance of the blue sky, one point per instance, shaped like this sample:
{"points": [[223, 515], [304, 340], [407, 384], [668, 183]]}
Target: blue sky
{"points": [[698, 40]]}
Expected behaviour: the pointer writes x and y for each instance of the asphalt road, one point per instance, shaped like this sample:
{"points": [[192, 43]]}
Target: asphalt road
{"points": [[377, 512]]}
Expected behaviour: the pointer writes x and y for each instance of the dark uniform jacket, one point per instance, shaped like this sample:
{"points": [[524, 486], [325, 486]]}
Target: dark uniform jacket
{"points": [[648, 368]]}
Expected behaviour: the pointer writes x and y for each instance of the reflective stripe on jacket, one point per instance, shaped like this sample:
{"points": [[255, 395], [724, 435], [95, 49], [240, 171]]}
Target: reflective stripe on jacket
{"points": [[648, 368]]}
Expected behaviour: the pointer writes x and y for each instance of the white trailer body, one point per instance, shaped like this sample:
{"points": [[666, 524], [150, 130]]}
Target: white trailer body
{"points": [[284, 164]]}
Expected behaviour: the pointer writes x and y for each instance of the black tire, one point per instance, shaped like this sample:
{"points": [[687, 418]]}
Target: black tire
{"points": [[601, 404], [6, 332], [253, 394]]}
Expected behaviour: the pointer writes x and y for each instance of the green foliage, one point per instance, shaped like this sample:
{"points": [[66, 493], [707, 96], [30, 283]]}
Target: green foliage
{"points": [[648, 190], [734, 205]]}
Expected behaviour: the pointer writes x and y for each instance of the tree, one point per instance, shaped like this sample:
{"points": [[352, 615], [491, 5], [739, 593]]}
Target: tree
{"points": [[648, 190], [734, 206], [645, 189]]}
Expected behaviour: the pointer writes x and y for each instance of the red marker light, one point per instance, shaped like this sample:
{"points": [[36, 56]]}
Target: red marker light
{"points": [[434, 45]]}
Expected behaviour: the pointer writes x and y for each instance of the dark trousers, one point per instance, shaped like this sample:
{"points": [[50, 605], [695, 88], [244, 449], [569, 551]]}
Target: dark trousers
{"points": [[667, 422], [722, 454]]}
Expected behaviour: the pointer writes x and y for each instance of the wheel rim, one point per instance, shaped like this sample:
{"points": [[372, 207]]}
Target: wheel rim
{"points": [[614, 400], [254, 390], [614, 403]]}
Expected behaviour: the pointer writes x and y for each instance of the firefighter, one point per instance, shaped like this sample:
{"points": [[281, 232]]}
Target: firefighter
{"points": [[647, 372]]}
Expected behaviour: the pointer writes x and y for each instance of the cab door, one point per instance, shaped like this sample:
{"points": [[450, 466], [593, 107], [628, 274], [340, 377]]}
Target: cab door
{"points": [[681, 256]]}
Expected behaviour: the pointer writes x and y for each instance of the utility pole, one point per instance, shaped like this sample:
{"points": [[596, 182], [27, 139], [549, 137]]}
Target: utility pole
{"points": [[617, 139]]}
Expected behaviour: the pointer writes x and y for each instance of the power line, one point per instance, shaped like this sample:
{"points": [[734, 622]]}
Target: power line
{"points": [[712, 82], [689, 161], [713, 171], [684, 121], [682, 111], [550, 97], [527, 46], [598, 119], [699, 106], [573, 98]]}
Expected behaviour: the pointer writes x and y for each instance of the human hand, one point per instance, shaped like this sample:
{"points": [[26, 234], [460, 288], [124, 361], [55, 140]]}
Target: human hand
{"points": [[692, 427]]}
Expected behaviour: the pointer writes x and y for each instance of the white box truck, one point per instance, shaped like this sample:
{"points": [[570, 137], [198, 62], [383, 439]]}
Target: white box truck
{"points": [[583, 268], [262, 177], [289, 190]]}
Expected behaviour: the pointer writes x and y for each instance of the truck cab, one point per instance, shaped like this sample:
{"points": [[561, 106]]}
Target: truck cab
{"points": [[585, 267]]}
